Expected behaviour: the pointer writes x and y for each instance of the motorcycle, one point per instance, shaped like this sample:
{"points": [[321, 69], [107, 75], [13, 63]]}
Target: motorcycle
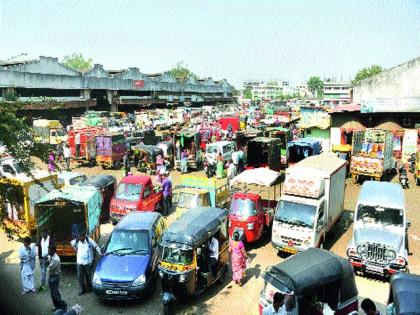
{"points": [[403, 178], [412, 161], [209, 169]]}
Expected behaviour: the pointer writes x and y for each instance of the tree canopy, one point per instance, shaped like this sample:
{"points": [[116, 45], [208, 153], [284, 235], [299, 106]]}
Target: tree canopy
{"points": [[316, 86], [366, 73], [77, 62], [247, 93], [181, 72]]}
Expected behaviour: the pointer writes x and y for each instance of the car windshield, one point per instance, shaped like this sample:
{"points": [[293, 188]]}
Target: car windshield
{"points": [[126, 242], [78, 180], [385, 216], [61, 133], [188, 201], [130, 192], [243, 207], [176, 255], [296, 213]]}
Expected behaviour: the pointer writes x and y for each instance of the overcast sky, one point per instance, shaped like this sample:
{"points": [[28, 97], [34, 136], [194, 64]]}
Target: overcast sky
{"points": [[235, 40]]}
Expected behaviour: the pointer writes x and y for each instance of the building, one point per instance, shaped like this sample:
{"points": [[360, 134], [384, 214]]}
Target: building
{"points": [[337, 93], [43, 83], [263, 90], [302, 90]]}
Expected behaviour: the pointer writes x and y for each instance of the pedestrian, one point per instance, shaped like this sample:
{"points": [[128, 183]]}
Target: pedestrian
{"points": [[167, 194], [126, 162], [369, 307], [43, 245], [235, 160], [220, 167], [51, 161], [84, 246], [178, 149], [184, 161], [60, 152], [27, 255], [54, 271], [77, 142], [67, 156], [238, 258], [231, 171]]}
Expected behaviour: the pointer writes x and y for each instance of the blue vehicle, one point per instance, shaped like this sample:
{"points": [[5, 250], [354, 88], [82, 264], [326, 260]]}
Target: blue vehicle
{"points": [[128, 269], [299, 149]]}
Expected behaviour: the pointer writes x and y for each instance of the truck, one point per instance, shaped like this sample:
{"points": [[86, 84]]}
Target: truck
{"points": [[67, 212], [379, 244], [135, 193], [49, 132], [110, 150], [372, 154], [311, 203], [87, 152], [19, 192], [190, 141], [264, 152], [201, 192]]}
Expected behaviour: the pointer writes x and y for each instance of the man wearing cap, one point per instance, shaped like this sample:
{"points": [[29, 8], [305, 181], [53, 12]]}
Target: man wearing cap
{"points": [[84, 254]]}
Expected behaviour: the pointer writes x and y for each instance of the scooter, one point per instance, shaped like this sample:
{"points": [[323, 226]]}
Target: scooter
{"points": [[412, 161], [209, 168], [403, 178]]}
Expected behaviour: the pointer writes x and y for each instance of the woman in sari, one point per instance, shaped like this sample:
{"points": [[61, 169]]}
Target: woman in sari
{"points": [[238, 258], [27, 256], [220, 166]]}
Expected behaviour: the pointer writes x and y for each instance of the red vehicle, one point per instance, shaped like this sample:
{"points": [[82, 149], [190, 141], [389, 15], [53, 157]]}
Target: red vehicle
{"points": [[87, 152], [135, 193], [233, 120], [251, 213]]}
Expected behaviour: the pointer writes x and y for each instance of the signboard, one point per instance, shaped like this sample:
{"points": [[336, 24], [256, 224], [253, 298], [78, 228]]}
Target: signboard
{"points": [[390, 105], [138, 83], [303, 186]]}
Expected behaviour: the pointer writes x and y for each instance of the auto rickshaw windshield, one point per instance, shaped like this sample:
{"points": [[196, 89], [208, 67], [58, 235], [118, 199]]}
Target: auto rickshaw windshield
{"points": [[243, 207], [176, 255]]}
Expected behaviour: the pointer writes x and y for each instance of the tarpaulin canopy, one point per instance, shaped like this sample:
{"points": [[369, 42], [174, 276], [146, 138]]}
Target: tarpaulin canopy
{"points": [[259, 176]]}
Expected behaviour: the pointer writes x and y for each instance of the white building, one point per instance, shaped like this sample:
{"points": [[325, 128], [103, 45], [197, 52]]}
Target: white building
{"points": [[337, 93], [267, 89]]}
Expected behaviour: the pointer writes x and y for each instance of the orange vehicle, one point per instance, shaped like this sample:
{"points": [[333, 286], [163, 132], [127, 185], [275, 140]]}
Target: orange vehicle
{"points": [[87, 152]]}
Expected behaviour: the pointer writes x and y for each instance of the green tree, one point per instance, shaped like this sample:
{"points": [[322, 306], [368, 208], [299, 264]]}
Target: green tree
{"points": [[316, 86], [248, 93], [77, 62], [181, 72], [367, 73]]}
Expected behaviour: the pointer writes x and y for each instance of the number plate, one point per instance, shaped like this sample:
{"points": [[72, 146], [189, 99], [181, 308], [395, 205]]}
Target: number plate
{"points": [[289, 250], [116, 292], [374, 268]]}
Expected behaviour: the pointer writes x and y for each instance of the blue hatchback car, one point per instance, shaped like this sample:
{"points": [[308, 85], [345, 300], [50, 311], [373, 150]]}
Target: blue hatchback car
{"points": [[128, 269]]}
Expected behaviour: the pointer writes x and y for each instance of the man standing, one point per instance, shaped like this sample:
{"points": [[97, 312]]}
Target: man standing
{"points": [[167, 194], [214, 255], [369, 307], [84, 257], [67, 156], [77, 142], [54, 270], [126, 162], [43, 244], [27, 256]]}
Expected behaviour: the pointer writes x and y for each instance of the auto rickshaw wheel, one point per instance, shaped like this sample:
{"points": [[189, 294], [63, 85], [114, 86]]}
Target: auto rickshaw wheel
{"points": [[418, 181]]}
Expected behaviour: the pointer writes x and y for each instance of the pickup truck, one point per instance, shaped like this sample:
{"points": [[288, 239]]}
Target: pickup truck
{"points": [[135, 193], [201, 192]]}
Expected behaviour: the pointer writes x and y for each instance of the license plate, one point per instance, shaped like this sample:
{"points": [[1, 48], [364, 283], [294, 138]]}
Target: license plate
{"points": [[116, 292], [374, 268], [289, 250]]}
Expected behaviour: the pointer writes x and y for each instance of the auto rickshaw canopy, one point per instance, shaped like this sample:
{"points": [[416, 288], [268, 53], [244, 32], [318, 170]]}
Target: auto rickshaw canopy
{"points": [[151, 151], [194, 227], [312, 271], [100, 181], [405, 293]]}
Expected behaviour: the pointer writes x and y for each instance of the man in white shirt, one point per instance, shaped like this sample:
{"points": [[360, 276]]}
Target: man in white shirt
{"points": [[275, 307], [84, 255], [77, 142], [43, 244], [214, 255], [67, 155]]}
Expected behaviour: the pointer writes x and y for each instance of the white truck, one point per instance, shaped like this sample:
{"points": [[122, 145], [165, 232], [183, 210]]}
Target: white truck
{"points": [[49, 132], [311, 203]]}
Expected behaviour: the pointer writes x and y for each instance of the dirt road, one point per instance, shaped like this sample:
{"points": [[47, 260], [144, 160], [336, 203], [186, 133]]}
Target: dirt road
{"points": [[223, 299]]}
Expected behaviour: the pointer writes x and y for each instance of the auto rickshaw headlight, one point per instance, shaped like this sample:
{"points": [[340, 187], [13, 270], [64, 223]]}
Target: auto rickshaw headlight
{"points": [[96, 279], [161, 274], [182, 278], [250, 226], [139, 281]]}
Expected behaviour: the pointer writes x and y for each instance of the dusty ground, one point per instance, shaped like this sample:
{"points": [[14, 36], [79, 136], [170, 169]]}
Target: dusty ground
{"points": [[227, 298]]}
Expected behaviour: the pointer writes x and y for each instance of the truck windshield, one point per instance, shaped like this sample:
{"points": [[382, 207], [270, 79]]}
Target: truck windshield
{"points": [[176, 255], [243, 207], [188, 201], [385, 216], [123, 242], [130, 192], [296, 213]]}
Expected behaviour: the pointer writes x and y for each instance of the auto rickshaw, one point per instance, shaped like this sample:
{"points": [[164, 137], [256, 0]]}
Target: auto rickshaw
{"points": [[404, 294], [322, 282], [145, 157], [185, 266]]}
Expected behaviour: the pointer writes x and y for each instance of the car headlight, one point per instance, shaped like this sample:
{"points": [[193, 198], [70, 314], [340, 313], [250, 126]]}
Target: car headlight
{"points": [[161, 274], [250, 226], [139, 281], [96, 279], [361, 249], [390, 254]]}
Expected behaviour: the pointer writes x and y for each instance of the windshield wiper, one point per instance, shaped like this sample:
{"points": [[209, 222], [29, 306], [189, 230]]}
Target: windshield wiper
{"points": [[115, 251], [137, 251], [298, 222]]}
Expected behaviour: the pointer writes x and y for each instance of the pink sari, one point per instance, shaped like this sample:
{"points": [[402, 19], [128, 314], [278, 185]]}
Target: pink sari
{"points": [[238, 261]]}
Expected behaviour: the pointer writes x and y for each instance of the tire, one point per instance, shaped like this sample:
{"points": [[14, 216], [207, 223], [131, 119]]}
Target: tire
{"points": [[418, 181]]}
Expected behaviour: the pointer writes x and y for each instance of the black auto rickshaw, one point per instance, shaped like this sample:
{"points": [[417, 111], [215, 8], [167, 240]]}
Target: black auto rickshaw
{"points": [[404, 294], [185, 266], [168, 150], [322, 282], [106, 185], [264, 152], [147, 136], [145, 157]]}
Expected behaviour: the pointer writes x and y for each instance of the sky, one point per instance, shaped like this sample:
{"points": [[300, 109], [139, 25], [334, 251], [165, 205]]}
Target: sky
{"points": [[232, 39]]}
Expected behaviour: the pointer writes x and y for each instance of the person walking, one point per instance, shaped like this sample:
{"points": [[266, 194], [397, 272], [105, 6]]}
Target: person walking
{"points": [[220, 166], [238, 258], [67, 156], [54, 271], [167, 194], [184, 161], [27, 255], [126, 162], [369, 307], [51, 162], [84, 258], [77, 142], [231, 171], [43, 245]]}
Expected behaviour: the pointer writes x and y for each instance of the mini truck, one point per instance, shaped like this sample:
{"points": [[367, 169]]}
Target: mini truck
{"points": [[312, 201]]}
